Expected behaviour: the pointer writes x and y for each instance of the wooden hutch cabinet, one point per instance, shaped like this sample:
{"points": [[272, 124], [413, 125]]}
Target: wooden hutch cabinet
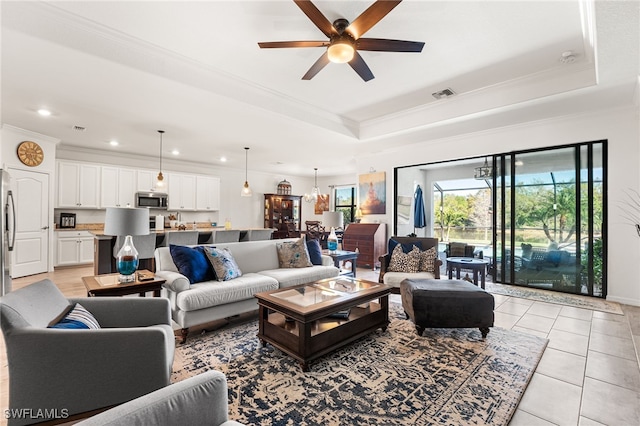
{"points": [[369, 238], [283, 213]]}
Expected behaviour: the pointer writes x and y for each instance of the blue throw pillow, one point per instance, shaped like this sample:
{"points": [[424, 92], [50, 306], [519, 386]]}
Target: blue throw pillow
{"points": [[406, 247], [315, 251], [192, 263], [77, 318]]}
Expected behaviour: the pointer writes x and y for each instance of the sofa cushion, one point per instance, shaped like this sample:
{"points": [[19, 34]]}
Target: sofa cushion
{"points": [[223, 263], [427, 260], [393, 279], [315, 251], [77, 318], [404, 262], [192, 263], [293, 254], [206, 295], [288, 277]]}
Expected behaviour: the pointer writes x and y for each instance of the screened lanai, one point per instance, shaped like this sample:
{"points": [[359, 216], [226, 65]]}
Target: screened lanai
{"points": [[537, 216]]}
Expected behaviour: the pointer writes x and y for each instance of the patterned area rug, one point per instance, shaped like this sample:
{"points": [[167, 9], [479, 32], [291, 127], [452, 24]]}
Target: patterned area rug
{"points": [[555, 297], [445, 377]]}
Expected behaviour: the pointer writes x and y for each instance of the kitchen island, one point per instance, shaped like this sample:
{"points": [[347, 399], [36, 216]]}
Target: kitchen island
{"points": [[105, 263]]}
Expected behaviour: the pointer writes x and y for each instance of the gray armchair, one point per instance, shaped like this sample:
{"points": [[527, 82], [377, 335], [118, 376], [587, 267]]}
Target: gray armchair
{"points": [[198, 400], [83, 370]]}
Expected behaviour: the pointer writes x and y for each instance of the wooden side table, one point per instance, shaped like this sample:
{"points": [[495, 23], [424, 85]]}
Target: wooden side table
{"points": [[108, 285], [343, 256]]}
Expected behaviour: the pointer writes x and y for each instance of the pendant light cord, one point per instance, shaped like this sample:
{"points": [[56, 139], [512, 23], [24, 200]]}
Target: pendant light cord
{"points": [[161, 132], [246, 164]]}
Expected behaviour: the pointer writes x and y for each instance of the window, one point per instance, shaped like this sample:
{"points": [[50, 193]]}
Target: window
{"points": [[346, 202]]}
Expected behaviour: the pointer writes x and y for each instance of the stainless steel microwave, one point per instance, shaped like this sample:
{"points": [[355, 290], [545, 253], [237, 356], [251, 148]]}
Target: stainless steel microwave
{"points": [[152, 200]]}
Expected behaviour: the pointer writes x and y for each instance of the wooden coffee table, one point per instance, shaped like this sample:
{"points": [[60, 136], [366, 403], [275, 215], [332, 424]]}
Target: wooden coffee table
{"points": [[108, 285], [304, 321]]}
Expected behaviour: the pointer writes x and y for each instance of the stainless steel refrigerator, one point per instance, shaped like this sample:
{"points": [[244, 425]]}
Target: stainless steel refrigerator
{"points": [[8, 228]]}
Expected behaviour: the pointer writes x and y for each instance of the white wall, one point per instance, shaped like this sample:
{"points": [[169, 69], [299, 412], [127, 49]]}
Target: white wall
{"points": [[620, 127]]}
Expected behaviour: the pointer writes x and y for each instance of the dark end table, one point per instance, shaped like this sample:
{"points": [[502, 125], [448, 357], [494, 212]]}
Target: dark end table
{"points": [[478, 266], [343, 256]]}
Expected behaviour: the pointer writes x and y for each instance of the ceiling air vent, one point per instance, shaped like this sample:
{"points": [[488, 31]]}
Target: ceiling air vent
{"points": [[79, 128], [446, 93]]}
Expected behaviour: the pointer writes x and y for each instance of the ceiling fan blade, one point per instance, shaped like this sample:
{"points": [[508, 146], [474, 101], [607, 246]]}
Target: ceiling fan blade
{"points": [[386, 45], [278, 44], [370, 17], [317, 66], [316, 17], [359, 65]]}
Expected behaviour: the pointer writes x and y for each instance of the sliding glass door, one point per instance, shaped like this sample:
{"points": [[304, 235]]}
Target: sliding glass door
{"points": [[550, 218]]}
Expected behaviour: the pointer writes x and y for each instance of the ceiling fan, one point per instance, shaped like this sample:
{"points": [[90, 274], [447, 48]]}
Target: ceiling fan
{"points": [[345, 38]]}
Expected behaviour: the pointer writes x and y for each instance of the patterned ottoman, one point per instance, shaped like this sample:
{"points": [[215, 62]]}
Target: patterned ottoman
{"points": [[447, 304]]}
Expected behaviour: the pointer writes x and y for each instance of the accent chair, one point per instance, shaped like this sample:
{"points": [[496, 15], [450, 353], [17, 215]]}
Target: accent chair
{"points": [[81, 370]]}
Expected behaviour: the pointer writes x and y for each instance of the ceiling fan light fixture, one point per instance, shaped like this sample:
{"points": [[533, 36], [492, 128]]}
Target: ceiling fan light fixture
{"points": [[341, 52]]}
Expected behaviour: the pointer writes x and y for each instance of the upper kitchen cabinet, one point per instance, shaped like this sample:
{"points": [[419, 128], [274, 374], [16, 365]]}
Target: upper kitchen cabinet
{"points": [[182, 192], [118, 187], [146, 181], [207, 193], [78, 185]]}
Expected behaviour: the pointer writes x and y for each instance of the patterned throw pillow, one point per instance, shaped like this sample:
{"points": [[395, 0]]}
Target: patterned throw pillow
{"points": [[428, 260], [77, 318], [404, 262], [293, 254], [223, 263]]}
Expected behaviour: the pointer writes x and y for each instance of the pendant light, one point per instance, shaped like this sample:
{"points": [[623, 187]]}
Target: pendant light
{"points": [[246, 191], [160, 178], [315, 192]]}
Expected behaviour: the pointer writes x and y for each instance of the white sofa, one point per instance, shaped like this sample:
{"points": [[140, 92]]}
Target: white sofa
{"points": [[194, 304]]}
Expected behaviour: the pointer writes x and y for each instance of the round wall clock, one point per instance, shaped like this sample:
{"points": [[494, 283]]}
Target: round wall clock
{"points": [[30, 153]]}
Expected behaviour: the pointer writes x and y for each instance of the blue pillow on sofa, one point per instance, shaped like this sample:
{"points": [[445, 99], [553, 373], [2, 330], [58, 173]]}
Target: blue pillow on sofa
{"points": [[192, 263], [315, 251]]}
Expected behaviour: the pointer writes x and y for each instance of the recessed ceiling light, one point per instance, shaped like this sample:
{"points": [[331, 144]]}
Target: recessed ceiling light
{"points": [[223, 159], [114, 143], [175, 152], [44, 112]]}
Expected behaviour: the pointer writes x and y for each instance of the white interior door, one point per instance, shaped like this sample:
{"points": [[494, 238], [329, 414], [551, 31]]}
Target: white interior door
{"points": [[31, 252]]}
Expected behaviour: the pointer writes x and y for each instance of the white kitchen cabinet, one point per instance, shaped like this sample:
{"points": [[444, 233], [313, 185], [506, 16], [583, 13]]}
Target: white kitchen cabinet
{"points": [[207, 193], [78, 185], [118, 187], [182, 192], [74, 248], [146, 181]]}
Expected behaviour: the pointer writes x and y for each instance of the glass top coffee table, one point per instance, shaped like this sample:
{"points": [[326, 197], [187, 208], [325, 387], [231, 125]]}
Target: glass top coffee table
{"points": [[311, 320]]}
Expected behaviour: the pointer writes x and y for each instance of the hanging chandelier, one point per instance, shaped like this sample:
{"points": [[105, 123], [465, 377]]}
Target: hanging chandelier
{"points": [[483, 172], [315, 192]]}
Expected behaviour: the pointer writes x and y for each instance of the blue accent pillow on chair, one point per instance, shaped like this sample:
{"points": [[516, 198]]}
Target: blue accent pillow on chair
{"points": [[77, 318], [192, 263], [315, 252], [406, 247]]}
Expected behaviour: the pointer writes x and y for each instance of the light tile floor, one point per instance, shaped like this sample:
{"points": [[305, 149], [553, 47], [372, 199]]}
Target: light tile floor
{"points": [[589, 373]]}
